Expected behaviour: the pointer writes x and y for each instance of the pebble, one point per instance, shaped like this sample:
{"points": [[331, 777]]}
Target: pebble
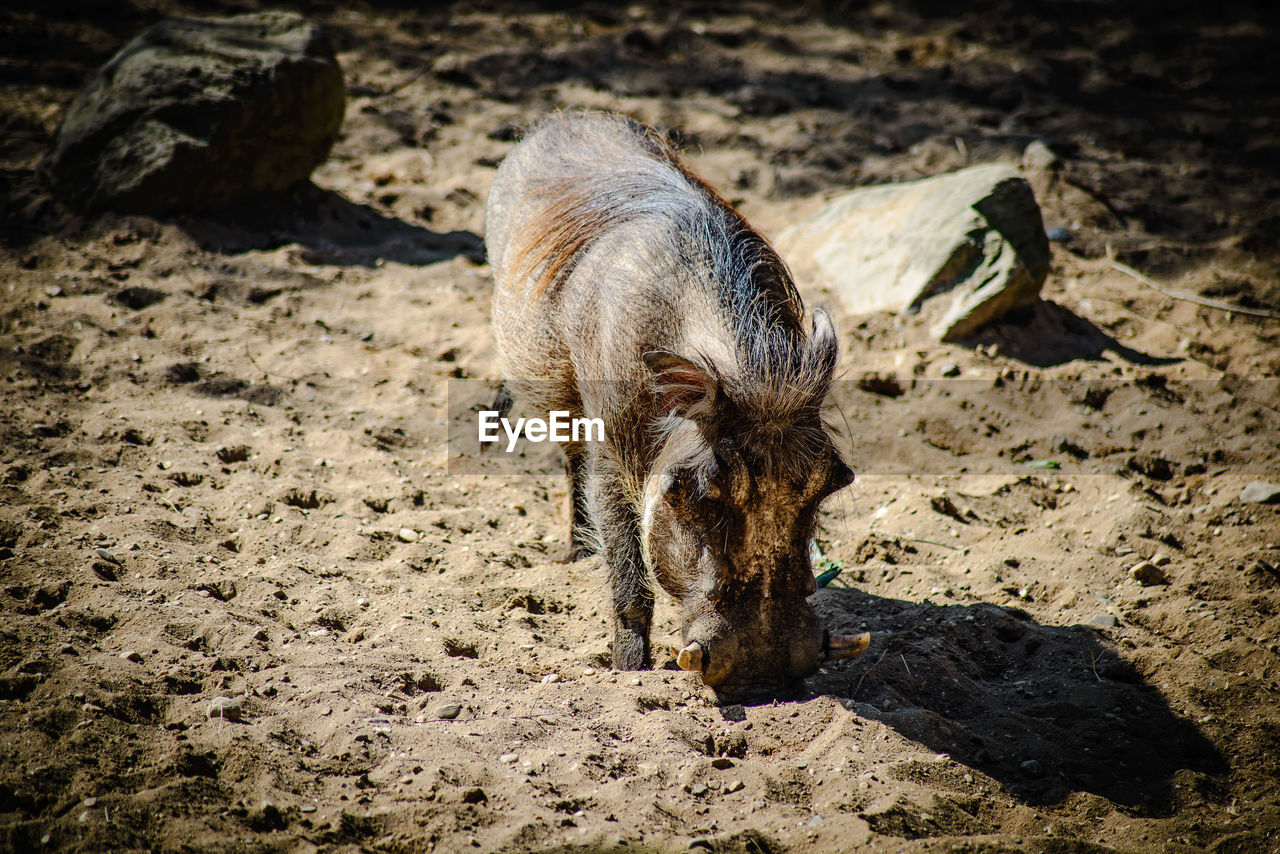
{"points": [[448, 712], [108, 556], [590, 671], [1148, 574], [408, 535], [307, 808], [1104, 620], [950, 369], [132, 655], [550, 678], [227, 708], [1038, 156], [508, 758], [1032, 766], [698, 789], [722, 762], [1161, 559], [735, 786], [91, 801], [1260, 492]]}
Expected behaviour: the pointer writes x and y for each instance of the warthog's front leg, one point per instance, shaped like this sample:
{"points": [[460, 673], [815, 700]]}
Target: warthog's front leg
{"points": [[613, 516]]}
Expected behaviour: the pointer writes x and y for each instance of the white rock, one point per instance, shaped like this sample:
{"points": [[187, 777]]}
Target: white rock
{"points": [[972, 241], [227, 708], [1260, 492]]}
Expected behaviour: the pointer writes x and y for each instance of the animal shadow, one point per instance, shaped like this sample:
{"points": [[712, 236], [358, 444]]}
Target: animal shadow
{"points": [[1044, 710]]}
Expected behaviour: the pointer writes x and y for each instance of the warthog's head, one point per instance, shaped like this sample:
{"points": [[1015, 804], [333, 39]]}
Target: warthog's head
{"points": [[730, 510]]}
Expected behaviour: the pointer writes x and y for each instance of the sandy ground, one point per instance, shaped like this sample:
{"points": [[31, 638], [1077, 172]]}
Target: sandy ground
{"points": [[223, 470]]}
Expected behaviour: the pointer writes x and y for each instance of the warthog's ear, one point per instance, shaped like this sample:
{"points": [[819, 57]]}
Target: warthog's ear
{"points": [[679, 384], [823, 352]]}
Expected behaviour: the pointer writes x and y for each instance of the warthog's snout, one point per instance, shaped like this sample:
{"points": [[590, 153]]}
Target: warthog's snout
{"points": [[757, 663]]}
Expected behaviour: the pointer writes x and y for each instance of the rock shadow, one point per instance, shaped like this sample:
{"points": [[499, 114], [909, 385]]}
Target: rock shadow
{"points": [[330, 228], [1044, 710], [1047, 334]]}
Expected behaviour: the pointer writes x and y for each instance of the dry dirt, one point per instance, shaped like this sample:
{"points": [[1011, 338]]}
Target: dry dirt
{"points": [[215, 428]]}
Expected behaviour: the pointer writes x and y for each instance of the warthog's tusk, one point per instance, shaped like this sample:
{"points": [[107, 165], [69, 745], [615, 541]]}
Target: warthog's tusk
{"points": [[690, 658], [847, 646]]}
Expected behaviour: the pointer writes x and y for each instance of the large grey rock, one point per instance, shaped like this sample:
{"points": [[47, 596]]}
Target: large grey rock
{"points": [[972, 241], [199, 112]]}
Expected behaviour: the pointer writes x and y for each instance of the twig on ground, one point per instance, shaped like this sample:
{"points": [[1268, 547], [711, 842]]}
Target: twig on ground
{"points": [[933, 543], [1194, 298], [249, 353]]}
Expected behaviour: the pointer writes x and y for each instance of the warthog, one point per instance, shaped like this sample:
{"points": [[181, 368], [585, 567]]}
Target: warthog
{"points": [[627, 289]]}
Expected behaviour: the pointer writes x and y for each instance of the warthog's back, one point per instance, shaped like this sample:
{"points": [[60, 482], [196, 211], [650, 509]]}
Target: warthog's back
{"points": [[604, 247]]}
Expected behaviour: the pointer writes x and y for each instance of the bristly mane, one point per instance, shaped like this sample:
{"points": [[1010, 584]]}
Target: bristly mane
{"points": [[632, 173]]}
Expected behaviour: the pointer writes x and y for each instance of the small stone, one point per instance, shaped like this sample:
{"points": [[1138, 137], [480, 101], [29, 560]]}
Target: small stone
{"points": [[1038, 157], [408, 535], [474, 796], [698, 789], [508, 758], [227, 708], [1148, 574], [108, 556], [735, 786], [132, 655], [590, 671], [1260, 492], [722, 762], [1032, 766], [307, 808], [1107, 621], [448, 712], [1161, 559], [550, 678], [91, 801], [950, 369]]}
